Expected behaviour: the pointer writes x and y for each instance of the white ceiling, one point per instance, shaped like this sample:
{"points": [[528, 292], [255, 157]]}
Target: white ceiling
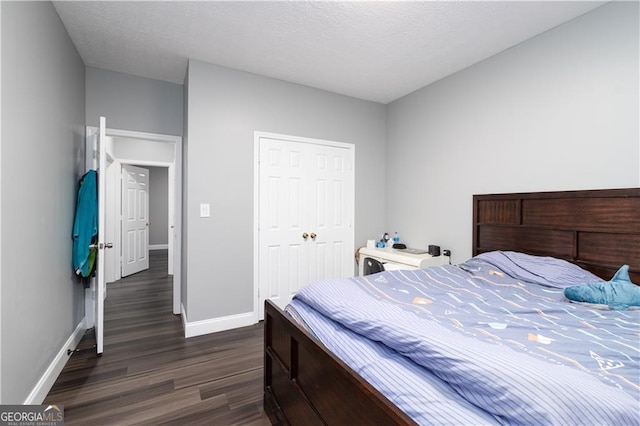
{"points": [[373, 50]]}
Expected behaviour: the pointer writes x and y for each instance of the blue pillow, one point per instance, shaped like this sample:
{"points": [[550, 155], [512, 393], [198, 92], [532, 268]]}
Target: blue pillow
{"points": [[618, 294]]}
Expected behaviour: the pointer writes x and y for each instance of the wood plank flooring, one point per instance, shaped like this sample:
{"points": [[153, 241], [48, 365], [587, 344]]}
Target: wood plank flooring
{"points": [[150, 374]]}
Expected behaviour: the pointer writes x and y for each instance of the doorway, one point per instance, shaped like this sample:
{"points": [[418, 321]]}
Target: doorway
{"points": [[143, 149], [115, 226]]}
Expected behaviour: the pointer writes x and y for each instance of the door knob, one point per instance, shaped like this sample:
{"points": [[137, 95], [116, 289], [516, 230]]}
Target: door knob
{"points": [[305, 236], [101, 246], [313, 235]]}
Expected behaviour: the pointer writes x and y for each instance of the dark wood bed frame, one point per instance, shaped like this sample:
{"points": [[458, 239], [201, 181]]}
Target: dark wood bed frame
{"points": [[305, 384]]}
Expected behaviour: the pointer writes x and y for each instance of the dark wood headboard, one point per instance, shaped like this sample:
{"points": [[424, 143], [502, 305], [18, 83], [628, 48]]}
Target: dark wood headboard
{"points": [[598, 230]]}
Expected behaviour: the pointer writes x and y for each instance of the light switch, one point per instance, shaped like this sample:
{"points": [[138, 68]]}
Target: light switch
{"points": [[205, 210]]}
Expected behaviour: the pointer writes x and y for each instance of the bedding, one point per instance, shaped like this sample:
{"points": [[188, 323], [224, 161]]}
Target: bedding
{"points": [[478, 344], [543, 270]]}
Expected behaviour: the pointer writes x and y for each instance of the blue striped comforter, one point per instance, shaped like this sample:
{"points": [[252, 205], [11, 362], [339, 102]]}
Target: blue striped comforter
{"points": [[472, 345]]}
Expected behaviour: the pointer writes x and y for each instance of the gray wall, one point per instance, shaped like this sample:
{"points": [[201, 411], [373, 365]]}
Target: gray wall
{"points": [[139, 104], [158, 205], [558, 112], [43, 116], [133, 103], [225, 108]]}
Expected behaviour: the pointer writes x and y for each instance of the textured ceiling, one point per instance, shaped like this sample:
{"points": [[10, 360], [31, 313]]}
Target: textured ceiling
{"points": [[374, 50]]}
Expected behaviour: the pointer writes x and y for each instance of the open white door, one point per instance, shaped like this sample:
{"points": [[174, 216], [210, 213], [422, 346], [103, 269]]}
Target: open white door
{"points": [[100, 292], [135, 219]]}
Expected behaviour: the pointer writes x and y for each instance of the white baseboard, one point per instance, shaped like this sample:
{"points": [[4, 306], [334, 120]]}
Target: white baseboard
{"points": [[42, 388], [213, 325], [158, 246]]}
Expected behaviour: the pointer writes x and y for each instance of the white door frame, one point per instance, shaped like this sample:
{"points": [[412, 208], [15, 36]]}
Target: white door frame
{"points": [[175, 200], [257, 135]]}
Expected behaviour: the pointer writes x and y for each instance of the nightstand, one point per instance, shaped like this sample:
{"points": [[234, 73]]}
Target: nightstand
{"points": [[399, 259]]}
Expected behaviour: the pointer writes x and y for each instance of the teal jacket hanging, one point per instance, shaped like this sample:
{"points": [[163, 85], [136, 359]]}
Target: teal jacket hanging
{"points": [[85, 226]]}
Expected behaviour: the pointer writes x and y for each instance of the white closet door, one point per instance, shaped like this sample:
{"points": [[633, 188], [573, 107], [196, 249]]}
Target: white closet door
{"points": [[331, 207], [135, 219], [306, 198], [283, 219]]}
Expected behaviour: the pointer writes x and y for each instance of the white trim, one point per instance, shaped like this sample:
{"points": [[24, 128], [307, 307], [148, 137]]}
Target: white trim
{"points": [[42, 388], [258, 134], [132, 134], [256, 225], [145, 162], [158, 246], [213, 325], [175, 226], [171, 184]]}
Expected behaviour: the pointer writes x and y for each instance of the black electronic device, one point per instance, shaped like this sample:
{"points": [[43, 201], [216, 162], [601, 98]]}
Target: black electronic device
{"points": [[399, 246], [434, 250]]}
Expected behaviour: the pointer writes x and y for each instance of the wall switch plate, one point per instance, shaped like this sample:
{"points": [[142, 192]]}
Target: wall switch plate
{"points": [[205, 210]]}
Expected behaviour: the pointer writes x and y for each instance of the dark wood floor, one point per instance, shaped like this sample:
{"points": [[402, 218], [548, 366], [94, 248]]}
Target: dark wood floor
{"points": [[150, 374]]}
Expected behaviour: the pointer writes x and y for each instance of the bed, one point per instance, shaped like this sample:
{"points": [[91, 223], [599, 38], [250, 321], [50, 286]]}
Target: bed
{"points": [[525, 350]]}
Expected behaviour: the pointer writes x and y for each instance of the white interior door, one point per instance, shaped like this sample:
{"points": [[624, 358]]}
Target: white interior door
{"points": [[283, 220], [100, 291], [306, 198], [135, 219], [331, 199]]}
